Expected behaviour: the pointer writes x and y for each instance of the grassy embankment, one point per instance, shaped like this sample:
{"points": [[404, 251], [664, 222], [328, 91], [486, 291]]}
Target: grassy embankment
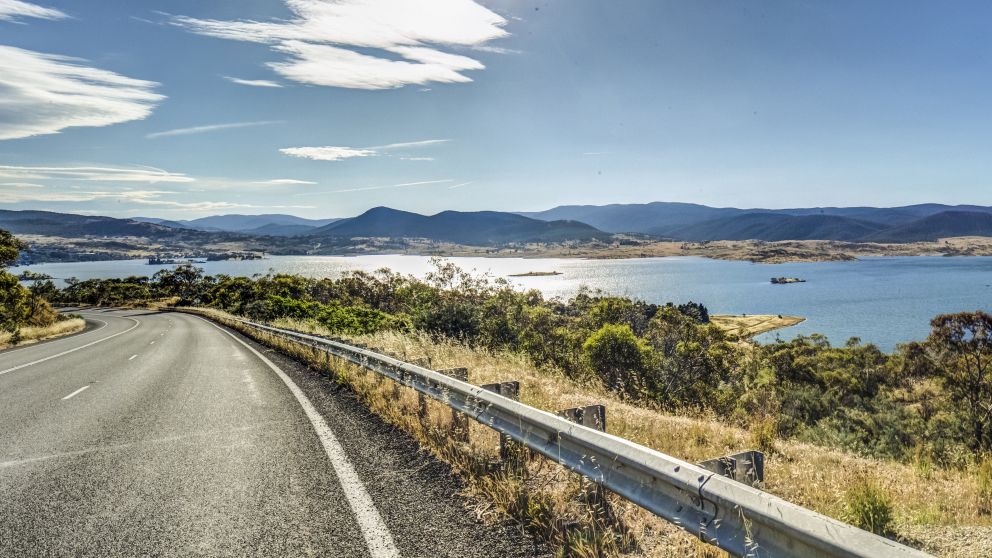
{"points": [[942, 511], [749, 325], [29, 334]]}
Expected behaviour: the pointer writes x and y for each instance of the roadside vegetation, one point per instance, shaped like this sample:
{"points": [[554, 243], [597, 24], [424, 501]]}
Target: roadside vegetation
{"points": [[25, 313], [896, 443]]}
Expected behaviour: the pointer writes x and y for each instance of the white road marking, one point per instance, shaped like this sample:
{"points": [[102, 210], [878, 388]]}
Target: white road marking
{"points": [[377, 536], [75, 393], [133, 357], [63, 353]]}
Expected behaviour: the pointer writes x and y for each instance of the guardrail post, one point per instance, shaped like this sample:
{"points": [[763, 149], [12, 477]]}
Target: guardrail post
{"points": [[747, 467], [591, 416], [424, 362], [510, 390], [459, 422]]}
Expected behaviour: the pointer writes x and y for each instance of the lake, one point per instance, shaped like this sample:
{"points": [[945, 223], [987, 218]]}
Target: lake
{"points": [[881, 300]]}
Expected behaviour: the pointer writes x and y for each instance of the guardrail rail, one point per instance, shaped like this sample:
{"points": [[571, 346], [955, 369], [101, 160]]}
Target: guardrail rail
{"points": [[735, 517]]}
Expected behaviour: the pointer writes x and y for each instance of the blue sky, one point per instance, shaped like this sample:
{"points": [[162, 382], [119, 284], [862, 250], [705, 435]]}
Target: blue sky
{"points": [[325, 108]]}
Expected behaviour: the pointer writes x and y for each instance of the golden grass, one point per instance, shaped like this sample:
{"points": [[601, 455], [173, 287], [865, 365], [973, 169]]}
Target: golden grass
{"points": [[927, 502], [753, 324], [32, 334]]}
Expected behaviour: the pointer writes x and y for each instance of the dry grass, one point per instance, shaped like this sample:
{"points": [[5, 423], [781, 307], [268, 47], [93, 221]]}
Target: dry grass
{"points": [[754, 324], [926, 502], [31, 334]]}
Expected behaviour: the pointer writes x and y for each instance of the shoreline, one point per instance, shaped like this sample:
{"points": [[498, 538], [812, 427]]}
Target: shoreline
{"points": [[63, 250]]}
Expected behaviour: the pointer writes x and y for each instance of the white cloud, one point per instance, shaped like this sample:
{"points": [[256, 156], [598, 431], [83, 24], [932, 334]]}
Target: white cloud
{"points": [[328, 153], [211, 128], [319, 41], [149, 175], [21, 185], [11, 9], [253, 82], [45, 93], [138, 197], [338, 153], [285, 182], [404, 145], [460, 185]]}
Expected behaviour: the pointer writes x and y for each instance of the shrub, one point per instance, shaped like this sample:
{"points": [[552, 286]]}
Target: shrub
{"points": [[984, 473], [618, 357], [868, 506]]}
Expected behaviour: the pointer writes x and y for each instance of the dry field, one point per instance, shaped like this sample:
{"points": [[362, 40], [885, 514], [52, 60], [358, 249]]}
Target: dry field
{"points": [[35, 334], [753, 324]]}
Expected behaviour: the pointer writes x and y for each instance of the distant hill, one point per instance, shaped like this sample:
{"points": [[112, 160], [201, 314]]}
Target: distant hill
{"points": [[941, 225], [665, 218], [71, 225], [636, 218], [774, 226], [475, 228], [273, 224]]}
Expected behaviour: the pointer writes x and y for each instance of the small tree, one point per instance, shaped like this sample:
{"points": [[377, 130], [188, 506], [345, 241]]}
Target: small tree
{"points": [[618, 357], [15, 305], [960, 349]]}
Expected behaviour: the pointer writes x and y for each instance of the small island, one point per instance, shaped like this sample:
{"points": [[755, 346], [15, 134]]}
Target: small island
{"points": [[786, 280], [535, 274]]}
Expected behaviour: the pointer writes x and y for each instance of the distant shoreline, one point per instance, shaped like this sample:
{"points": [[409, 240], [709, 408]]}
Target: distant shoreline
{"points": [[46, 249]]}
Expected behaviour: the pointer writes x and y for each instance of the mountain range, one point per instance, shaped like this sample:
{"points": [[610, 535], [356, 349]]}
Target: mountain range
{"points": [[682, 221], [265, 225], [674, 221]]}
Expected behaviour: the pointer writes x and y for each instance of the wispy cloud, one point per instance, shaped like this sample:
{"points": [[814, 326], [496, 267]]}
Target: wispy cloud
{"points": [[409, 144], [149, 175], [460, 185], [22, 185], [386, 187], [253, 82], [211, 128], [595, 153], [319, 42], [12, 9], [46, 93], [136, 197], [327, 153], [338, 153], [284, 182]]}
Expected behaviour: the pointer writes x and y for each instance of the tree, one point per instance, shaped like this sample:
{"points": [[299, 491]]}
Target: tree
{"points": [[10, 247], [15, 306], [618, 356], [960, 348]]}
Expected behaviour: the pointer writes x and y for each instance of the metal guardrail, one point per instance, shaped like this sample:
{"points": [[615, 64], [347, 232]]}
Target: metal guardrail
{"points": [[733, 516]]}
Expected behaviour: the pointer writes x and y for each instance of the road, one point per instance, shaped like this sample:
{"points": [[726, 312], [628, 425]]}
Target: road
{"points": [[165, 435]]}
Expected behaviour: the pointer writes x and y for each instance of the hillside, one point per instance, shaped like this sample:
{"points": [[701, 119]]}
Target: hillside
{"points": [[471, 228], [71, 225], [635, 218], [273, 224], [773, 227], [665, 219], [942, 225]]}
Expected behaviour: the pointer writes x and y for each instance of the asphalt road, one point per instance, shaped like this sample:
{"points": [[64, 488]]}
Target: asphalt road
{"points": [[165, 435]]}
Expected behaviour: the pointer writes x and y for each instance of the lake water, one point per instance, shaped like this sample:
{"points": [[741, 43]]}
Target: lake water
{"points": [[881, 300]]}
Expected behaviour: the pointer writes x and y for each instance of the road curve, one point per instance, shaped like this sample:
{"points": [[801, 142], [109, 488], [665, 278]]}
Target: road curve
{"points": [[165, 435]]}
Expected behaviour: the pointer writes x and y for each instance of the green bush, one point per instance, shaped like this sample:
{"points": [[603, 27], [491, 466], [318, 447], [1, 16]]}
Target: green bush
{"points": [[868, 506]]}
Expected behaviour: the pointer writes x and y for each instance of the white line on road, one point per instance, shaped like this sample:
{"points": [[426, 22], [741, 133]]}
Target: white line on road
{"points": [[133, 357], [63, 353], [377, 536], [75, 393]]}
